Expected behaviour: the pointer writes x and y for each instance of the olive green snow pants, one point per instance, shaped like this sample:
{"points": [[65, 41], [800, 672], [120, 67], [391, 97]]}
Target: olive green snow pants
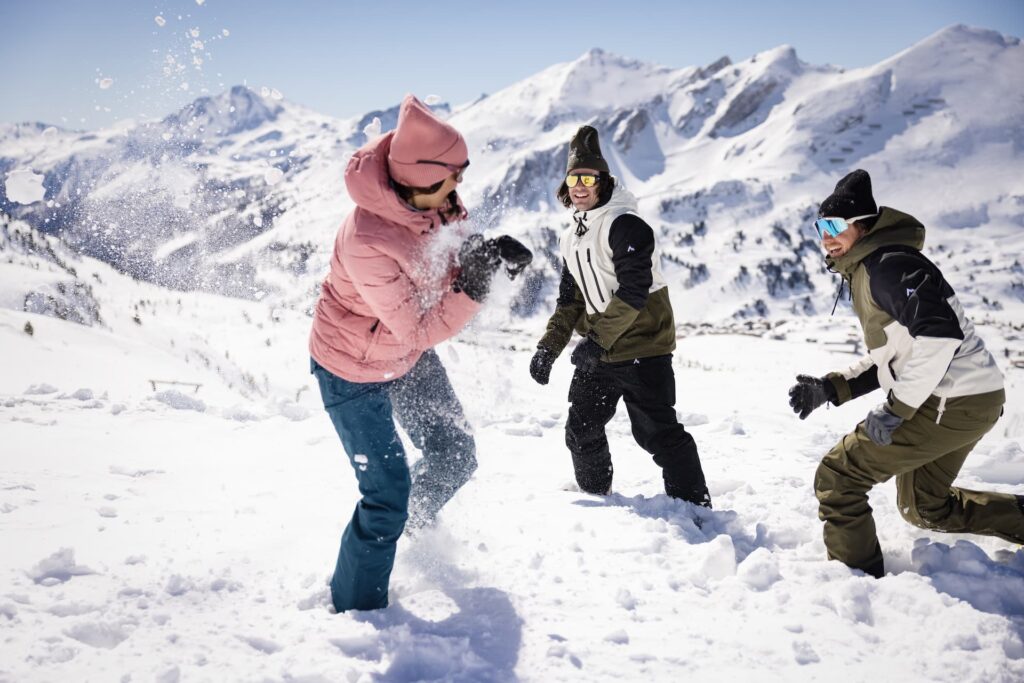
{"points": [[925, 456]]}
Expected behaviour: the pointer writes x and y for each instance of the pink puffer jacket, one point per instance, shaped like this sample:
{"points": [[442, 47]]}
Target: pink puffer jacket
{"points": [[385, 300]]}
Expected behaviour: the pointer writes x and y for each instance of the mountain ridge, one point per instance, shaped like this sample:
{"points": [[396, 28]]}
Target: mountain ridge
{"points": [[241, 192]]}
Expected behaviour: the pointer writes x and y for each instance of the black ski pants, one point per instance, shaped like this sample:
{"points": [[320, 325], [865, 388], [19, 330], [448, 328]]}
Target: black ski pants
{"points": [[648, 388]]}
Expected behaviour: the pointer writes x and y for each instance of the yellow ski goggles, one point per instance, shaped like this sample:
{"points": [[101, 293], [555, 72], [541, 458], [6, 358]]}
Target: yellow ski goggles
{"points": [[587, 179]]}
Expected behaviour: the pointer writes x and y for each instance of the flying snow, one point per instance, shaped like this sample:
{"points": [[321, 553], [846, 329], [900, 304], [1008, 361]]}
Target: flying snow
{"points": [[25, 187], [273, 176], [372, 129]]}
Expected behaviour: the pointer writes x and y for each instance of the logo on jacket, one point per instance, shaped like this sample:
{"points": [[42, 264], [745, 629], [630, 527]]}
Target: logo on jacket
{"points": [[630, 248], [910, 292]]}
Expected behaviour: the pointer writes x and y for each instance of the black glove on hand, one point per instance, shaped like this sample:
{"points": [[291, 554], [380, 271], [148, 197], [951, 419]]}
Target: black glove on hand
{"points": [[515, 254], [540, 366], [479, 259], [809, 393], [587, 355], [880, 424]]}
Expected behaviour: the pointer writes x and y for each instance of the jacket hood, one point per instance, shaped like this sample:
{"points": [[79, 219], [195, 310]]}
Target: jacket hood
{"points": [[893, 228], [621, 201], [370, 186]]}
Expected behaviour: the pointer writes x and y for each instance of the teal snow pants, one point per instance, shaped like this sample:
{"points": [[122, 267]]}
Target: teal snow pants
{"points": [[364, 415]]}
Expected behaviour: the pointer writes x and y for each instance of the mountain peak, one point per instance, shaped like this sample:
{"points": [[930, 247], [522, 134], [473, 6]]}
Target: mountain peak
{"points": [[233, 111], [598, 57]]}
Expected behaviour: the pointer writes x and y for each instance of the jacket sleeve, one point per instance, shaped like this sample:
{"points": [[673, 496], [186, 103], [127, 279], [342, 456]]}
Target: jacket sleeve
{"points": [[632, 244], [568, 309], [857, 380], [911, 289], [399, 304]]}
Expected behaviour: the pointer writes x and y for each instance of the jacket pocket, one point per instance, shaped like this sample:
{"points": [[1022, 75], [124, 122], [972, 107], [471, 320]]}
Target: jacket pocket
{"points": [[597, 280], [375, 332]]}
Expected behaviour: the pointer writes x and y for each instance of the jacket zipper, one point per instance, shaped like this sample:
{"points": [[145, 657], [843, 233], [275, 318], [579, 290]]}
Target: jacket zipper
{"points": [[583, 281], [597, 283]]}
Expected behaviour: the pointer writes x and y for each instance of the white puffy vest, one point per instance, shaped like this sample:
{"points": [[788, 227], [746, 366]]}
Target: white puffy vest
{"points": [[589, 256]]}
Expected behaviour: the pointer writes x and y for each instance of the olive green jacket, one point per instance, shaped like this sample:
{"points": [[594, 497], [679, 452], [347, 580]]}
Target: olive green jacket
{"points": [[919, 341]]}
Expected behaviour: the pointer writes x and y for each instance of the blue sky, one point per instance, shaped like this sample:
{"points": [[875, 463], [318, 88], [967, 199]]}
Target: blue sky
{"points": [[347, 58]]}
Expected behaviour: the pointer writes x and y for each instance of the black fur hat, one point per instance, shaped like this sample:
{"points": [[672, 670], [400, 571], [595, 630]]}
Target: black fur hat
{"points": [[852, 197]]}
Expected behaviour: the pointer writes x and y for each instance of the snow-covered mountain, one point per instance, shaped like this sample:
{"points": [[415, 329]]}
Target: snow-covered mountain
{"points": [[241, 193]]}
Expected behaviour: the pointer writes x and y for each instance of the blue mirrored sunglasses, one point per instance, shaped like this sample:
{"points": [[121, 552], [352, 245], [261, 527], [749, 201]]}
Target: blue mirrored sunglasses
{"points": [[833, 226]]}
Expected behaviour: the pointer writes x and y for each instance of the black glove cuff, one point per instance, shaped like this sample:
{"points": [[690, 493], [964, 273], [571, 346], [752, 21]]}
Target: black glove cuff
{"points": [[830, 391]]}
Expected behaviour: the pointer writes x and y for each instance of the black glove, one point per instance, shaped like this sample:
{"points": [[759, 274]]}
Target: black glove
{"points": [[479, 259], [881, 423], [514, 254], [809, 393], [587, 355], [540, 365]]}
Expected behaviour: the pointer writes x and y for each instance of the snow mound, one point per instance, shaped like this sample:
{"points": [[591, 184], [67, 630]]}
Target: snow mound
{"points": [[179, 401], [58, 568]]}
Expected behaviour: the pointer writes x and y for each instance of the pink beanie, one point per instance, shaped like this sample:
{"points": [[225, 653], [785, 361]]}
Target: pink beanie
{"points": [[420, 136]]}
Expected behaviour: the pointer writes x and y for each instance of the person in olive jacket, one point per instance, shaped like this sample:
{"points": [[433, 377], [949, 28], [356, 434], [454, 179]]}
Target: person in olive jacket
{"points": [[612, 293], [943, 391]]}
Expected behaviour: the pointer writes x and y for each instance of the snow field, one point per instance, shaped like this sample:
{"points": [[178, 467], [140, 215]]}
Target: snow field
{"points": [[165, 543]]}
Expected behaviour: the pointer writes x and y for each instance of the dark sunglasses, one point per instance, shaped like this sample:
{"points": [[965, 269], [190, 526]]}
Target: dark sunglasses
{"points": [[588, 180], [457, 169]]}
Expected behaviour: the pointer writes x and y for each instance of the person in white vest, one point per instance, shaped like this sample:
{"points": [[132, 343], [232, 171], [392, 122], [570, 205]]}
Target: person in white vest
{"points": [[613, 294]]}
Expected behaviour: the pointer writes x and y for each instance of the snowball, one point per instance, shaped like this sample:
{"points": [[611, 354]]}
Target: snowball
{"points": [[225, 33], [24, 187], [160, 21], [432, 100], [372, 129], [275, 94], [273, 176], [105, 83]]}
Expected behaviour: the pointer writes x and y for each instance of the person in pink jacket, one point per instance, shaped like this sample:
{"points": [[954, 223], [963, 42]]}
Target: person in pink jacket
{"points": [[392, 294]]}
